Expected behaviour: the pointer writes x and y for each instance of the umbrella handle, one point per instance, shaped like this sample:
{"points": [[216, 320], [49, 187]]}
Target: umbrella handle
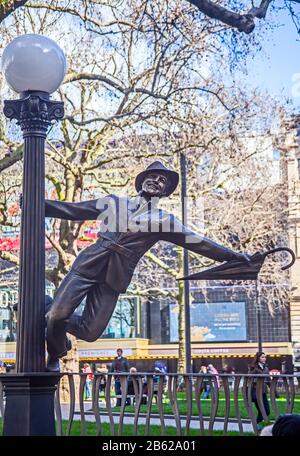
{"points": [[283, 249]]}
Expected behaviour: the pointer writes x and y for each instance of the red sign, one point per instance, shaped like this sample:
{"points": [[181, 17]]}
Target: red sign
{"points": [[8, 244]]}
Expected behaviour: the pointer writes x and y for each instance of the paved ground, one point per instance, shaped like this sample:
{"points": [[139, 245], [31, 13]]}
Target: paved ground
{"points": [[169, 421]]}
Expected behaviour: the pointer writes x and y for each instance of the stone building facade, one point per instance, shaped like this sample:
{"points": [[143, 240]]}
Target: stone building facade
{"points": [[290, 148]]}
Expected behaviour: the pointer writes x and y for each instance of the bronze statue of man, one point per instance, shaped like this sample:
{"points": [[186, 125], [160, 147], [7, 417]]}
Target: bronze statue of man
{"points": [[129, 228]]}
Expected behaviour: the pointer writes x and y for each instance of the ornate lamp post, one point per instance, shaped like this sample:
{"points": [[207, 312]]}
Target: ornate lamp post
{"points": [[34, 66]]}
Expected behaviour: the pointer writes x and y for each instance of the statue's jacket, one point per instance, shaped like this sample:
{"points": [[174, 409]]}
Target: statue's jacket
{"points": [[129, 227]]}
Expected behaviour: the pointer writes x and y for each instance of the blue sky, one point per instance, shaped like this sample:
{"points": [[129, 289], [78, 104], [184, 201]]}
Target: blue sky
{"points": [[274, 66]]}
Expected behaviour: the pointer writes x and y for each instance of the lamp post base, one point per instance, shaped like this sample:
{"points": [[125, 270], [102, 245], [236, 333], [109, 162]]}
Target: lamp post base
{"points": [[29, 408]]}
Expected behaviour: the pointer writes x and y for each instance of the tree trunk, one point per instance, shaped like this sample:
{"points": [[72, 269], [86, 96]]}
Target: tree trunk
{"points": [[70, 363], [181, 319]]}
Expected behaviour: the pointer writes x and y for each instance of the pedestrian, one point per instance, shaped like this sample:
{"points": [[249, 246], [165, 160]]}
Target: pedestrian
{"points": [[259, 366], [130, 387], [102, 370], [158, 371], [274, 372], [205, 383], [119, 364], [287, 425], [88, 381], [212, 370], [229, 370]]}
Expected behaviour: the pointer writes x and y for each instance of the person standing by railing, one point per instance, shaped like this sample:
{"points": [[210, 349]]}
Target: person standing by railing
{"points": [[130, 387], [212, 370], [119, 364], [229, 370], [89, 378], [205, 384], [259, 366], [102, 370], [287, 425]]}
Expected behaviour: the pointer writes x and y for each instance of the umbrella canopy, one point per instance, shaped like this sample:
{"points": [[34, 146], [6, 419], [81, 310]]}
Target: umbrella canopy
{"points": [[239, 270]]}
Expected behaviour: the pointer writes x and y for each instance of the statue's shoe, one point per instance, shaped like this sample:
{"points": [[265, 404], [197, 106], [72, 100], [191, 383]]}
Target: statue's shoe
{"points": [[52, 364]]}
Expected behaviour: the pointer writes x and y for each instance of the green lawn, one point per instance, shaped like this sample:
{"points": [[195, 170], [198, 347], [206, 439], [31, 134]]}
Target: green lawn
{"points": [[129, 430], [206, 407]]}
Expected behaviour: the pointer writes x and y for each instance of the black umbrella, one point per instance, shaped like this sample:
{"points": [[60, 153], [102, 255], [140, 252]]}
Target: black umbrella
{"points": [[239, 270]]}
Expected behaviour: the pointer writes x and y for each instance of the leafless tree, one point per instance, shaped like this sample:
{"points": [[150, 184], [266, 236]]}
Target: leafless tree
{"points": [[148, 87], [127, 79], [238, 197], [234, 14]]}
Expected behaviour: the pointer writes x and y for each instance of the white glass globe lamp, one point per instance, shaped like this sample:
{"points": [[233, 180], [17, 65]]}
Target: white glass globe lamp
{"points": [[33, 63]]}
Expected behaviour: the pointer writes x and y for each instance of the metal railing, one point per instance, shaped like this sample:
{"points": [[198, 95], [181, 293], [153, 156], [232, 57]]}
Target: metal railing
{"points": [[172, 400]]}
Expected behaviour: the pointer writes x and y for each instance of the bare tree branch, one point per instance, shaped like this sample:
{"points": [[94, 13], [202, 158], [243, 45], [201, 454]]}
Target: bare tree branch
{"points": [[84, 17], [243, 22], [9, 6], [10, 160], [8, 256]]}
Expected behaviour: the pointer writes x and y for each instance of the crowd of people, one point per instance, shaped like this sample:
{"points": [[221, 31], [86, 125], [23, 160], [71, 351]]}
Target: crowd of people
{"points": [[285, 425], [5, 368], [120, 366]]}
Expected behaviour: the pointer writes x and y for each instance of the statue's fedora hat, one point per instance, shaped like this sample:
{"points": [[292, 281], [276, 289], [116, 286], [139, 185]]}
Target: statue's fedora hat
{"points": [[158, 167]]}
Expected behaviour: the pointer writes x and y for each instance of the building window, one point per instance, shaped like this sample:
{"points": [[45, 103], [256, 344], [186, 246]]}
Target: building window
{"points": [[124, 322]]}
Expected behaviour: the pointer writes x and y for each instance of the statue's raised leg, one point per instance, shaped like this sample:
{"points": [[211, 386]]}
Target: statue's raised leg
{"points": [[69, 295], [100, 304]]}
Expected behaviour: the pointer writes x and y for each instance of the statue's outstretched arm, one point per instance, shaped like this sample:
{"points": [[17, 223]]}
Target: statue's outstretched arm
{"points": [[85, 210], [181, 235]]}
